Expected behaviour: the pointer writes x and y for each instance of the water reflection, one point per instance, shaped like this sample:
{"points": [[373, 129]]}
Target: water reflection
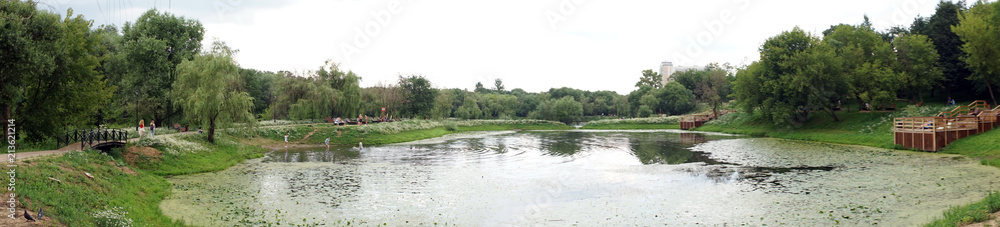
{"points": [[589, 178], [312, 154]]}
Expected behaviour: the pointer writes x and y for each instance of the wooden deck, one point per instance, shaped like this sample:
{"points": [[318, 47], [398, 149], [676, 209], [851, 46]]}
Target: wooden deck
{"points": [[934, 133]]}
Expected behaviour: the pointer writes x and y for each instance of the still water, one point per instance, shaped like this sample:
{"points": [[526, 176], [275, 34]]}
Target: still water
{"points": [[584, 178]]}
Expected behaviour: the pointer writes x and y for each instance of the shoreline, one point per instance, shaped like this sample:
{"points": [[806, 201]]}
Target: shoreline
{"points": [[158, 172]]}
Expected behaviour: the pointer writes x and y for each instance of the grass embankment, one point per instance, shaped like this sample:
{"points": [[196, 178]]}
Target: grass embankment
{"points": [[127, 186], [636, 123], [394, 132]]}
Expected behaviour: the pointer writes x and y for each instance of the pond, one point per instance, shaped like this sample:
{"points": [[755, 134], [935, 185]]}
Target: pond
{"points": [[580, 177]]}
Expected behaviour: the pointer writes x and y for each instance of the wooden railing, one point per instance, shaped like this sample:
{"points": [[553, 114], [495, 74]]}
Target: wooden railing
{"points": [[963, 110], [935, 124]]}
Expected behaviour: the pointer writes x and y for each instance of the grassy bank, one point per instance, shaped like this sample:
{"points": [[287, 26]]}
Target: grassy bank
{"points": [[127, 186], [394, 132], [635, 123]]}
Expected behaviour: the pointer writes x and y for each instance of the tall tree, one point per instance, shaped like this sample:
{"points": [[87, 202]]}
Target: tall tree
{"points": [[917, 63], [949, 45], [207, 87], [979, 29], [154, 45], [419, 95], [650, 78], [714, 88], [498, 85], [865, 57], [51, 79], [796, 74]]}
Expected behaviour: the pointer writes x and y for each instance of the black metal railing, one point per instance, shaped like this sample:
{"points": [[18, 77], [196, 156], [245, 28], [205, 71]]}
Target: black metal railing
{"points": [[91, 137]]}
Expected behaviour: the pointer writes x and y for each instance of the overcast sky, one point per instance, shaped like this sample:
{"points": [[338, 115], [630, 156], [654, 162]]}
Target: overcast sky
{"points": [[530, 44]]}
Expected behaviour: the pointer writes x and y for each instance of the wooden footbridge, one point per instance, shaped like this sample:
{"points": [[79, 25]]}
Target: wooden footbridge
{"points": [[100, 139], [691, 121], [933, 133]]}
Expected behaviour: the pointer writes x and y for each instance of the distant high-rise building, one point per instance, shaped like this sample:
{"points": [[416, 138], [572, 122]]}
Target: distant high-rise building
{"points": [[666, 70]]}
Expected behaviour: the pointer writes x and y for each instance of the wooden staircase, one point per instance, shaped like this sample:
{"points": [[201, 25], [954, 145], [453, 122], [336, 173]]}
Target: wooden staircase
{"points": [[697, 120], [934, 133]]}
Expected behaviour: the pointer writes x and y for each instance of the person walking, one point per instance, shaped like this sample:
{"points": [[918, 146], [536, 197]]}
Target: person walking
{"points": [[152, 127], [327, 142], [142, 129], [286, 139]]}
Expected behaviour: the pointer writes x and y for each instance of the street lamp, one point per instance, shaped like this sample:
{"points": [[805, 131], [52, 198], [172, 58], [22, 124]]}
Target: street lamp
{"points": [[137, 110], [274, 115]]}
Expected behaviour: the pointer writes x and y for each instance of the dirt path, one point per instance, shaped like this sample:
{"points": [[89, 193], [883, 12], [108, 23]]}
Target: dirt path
{"points": [[307, 135]]}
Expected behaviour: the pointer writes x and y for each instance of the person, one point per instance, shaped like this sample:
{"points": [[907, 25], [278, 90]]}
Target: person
{"points": [[286, 139], [199, 130], [152, 127], [867, 107], [929, 125], [142, 129], [361, 145], [951, 101], [327, 142]]}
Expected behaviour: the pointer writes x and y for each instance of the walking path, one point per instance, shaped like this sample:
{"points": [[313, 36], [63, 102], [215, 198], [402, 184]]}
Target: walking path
{"points": [[76, 146]]}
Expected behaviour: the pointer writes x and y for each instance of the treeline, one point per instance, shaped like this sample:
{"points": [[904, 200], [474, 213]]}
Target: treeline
{"points": [[61, 73], [952, 53]]}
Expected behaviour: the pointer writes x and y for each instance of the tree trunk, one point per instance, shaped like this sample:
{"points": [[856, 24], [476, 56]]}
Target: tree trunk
{"points": [[833, 114], [920, 95], [211, 130]]}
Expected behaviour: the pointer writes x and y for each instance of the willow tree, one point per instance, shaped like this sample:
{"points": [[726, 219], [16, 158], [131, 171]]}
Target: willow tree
{"points": [[208, 88]]}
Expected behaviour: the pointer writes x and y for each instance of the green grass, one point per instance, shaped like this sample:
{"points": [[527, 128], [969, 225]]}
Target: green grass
{"points": [[972, 213], [350, 136], [869, 129], [631, 126], [983, 146], [225, 153], [78, 199]]}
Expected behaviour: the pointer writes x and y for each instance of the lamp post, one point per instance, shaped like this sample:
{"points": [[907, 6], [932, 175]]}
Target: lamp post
{"points": [[274, 114], [137, 110]]}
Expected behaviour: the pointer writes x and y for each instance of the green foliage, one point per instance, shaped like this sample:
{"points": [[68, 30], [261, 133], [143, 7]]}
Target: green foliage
{"points": [[82, 201], [675, 99], [153, 47], [208, 89], [978, 28], [418, 94], [948, 45], [566, 110], [650, 78], [443, 105], [797, 74], [50, 78], [918, 63], [972, 213], [469, 109]]}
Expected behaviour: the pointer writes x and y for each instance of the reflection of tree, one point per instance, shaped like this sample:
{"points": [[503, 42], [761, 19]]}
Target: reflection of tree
{"points": [[660, 148], [690, 139], [561, 144]]}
